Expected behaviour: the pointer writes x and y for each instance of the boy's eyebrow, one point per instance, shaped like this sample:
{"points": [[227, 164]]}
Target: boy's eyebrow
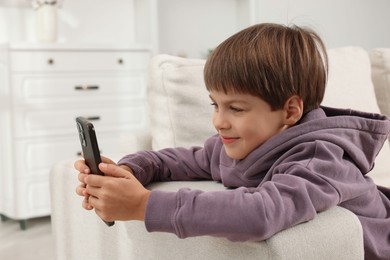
{"points": [[230, 101]]}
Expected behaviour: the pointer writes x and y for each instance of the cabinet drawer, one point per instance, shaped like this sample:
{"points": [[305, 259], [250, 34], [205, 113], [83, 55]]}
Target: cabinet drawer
{"points": [[30, 89], [29, 123], [30, 61], [33, 198], [39, 155]]}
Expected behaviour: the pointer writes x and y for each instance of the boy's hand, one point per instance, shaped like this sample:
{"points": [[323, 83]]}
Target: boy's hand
{"points": [[119, 198], [83, 172]]}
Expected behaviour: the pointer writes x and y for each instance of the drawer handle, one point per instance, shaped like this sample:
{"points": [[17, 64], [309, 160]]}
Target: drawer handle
{"points": [[50, 61], [86, 87], [120, 61]]}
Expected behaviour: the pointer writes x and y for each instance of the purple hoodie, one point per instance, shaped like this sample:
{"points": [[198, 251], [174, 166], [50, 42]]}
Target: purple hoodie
{"points": [[317, 164]]}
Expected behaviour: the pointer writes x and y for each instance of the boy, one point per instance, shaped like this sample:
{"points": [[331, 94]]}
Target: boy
{"points": [[287, 157]]}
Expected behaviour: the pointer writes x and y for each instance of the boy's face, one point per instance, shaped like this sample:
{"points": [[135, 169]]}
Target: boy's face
{"points": [[244, 122]]}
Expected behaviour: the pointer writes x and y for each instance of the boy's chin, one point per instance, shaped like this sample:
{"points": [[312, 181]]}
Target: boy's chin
{"points": [[235, 155]]}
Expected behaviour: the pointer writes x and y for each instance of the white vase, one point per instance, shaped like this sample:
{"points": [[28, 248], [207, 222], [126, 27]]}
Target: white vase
{"points": [[46, 23]]}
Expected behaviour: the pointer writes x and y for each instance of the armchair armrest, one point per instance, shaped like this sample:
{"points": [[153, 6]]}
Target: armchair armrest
{"points": [[333, 234], [80, 234]]}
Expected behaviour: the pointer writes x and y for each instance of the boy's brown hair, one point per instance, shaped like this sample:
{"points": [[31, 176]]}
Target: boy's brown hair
{"points": [[273, 62]]}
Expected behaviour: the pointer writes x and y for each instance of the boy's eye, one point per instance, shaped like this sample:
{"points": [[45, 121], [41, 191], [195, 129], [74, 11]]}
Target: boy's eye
{"points": [[214, 105], [235, 109]]}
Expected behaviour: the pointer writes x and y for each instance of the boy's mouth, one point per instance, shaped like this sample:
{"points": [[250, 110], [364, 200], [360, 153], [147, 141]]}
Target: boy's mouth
{"points": [[228, 140]]}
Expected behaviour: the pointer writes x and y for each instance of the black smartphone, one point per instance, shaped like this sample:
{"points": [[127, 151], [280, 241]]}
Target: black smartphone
{"points": [[90, 147]]}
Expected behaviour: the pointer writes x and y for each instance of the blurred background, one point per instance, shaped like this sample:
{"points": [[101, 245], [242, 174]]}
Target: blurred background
{"points": [[192, 27]]}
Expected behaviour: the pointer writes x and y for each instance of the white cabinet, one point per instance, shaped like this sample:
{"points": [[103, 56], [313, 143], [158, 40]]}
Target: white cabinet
{"points": [[42, 91]]}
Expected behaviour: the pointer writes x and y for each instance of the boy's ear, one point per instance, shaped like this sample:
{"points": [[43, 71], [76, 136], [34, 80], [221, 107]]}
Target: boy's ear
{"points": [[293, 110]]}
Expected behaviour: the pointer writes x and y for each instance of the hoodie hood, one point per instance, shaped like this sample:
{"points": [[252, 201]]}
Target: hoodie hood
{"points": [[361, 135]]}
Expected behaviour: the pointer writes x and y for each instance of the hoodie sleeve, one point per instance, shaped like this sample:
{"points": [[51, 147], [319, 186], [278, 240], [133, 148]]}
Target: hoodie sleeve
{"points": [[174, 164], [241, 214], [295, 193]]}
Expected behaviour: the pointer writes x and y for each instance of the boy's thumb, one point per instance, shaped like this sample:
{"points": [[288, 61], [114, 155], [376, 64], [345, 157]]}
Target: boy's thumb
{"points": [[113, 170]]}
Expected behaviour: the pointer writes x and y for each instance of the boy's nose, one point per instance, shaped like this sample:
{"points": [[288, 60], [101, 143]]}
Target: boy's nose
{"points": [[220, 121]]}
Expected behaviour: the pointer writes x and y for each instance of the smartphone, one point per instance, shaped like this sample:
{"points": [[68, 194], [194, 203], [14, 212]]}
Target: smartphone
{"points": [[90, 147]]}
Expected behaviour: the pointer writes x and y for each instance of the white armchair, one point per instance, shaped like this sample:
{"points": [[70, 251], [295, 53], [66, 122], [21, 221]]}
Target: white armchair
{"points": [[180, 116]]}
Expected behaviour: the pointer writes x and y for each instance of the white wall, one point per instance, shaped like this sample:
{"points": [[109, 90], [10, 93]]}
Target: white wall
{"points": [[97, 21], [365, 23], [191, 27], [14, 24]]}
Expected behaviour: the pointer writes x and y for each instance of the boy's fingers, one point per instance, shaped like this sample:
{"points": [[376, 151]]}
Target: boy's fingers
{"points": [[81, 177], [86, 204], [113, 170], [80, 190], [81, 166], [94, 180], [92, 191], [107, 160]]}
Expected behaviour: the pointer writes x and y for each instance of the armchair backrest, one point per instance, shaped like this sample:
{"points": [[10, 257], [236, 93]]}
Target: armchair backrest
{"points": [[380, 60], [180, 111]]}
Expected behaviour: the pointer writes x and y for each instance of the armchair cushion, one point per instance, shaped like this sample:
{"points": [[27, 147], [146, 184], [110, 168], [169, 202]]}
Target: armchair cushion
{"points": [[380, 59], [349, 80], [181, 112], [350, 86]]}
